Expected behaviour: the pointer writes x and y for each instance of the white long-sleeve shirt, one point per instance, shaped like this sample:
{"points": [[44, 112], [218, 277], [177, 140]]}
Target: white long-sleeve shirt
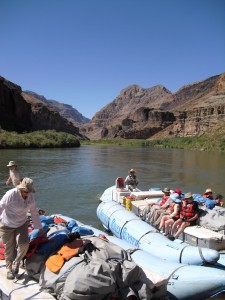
{"points": [[14, 209]]}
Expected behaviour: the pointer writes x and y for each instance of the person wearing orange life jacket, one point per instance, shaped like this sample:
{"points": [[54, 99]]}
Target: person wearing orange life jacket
{"points": [[173, 214], [156, 209], [188, 216]]}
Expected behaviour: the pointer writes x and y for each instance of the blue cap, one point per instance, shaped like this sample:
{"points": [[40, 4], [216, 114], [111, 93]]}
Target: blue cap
{"points": [[174, 196]]}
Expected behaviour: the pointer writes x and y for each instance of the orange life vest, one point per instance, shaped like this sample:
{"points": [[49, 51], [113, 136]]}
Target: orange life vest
{"points": [[55, 262], [188, 209], [164, 199]]}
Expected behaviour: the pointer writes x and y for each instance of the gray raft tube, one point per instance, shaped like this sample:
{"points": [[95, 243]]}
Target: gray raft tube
{"points": [[129, 227], [184, 282]]}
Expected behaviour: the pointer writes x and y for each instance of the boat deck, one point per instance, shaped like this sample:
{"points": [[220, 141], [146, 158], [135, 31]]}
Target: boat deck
{"points": [[21, 288]]}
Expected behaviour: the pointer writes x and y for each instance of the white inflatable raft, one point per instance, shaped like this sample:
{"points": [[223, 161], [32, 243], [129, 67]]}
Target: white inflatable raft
{"points": [[184, 282], [127, 226]]}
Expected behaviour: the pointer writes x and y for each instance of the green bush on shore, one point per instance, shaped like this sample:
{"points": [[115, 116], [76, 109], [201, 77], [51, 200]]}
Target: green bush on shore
{"points": [[215, 142], [37, 139], [53, 139]]}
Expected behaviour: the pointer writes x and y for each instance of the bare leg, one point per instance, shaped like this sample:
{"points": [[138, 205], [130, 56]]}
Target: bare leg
{"points": [[175, 226], [181, 228], [167, 226], [162, 222]]}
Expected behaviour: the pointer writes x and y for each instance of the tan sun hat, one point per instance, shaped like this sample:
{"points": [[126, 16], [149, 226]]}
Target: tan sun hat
{"points": [[11, 163], [208, 191], [132, 171], [26, 185], [188, 195], [166, 190]]}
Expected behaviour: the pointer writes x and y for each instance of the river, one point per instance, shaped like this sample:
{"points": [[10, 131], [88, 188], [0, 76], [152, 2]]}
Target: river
{"points": [[70, 181]]}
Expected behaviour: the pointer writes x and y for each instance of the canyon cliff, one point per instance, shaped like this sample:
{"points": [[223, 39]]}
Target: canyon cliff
{"points": [[136, 113], [22, 112], [139, 113]]}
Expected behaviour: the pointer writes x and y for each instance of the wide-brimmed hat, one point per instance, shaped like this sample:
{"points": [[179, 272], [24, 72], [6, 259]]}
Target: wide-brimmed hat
{"points": [[132, 171], [11, 163], [178, 191], [26, 185], [166, 190], [188, 195], [175, 197], [208, 191]]}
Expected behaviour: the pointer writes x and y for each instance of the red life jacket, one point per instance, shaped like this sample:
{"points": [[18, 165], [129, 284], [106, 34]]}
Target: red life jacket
{"points": [[34, 244], [188, 209], [164, 199], [2, 250]]}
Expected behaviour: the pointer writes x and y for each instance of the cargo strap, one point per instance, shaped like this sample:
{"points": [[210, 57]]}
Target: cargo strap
{"points": [[172, 274], [21, 287], [180, 259], [60, 275], [201, 255], [31, 297], [150, 231]]}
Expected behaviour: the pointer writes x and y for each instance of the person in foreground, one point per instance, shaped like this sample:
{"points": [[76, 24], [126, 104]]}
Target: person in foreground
{"points": [[14, 207], [188, 216], [131, 180]]}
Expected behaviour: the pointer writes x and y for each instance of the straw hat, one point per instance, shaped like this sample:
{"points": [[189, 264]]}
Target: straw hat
{"points": [[208, 191], [26, 185], [11, 163], [132, 171], [188, 195]]}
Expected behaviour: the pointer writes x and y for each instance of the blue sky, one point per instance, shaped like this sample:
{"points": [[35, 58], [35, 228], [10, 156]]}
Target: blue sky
{"points": [[84, 52]]}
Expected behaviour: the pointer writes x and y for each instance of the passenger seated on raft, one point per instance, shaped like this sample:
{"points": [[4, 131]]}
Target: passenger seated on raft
{"points": [[219, 200], [188, 216], [157, 208], [210, 203], [173, 214], [156, 222], [208, 194], [179, 192], [131, 180]]}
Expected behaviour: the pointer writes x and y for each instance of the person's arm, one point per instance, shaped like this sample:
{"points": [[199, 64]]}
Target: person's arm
{"points": [[195, 217], [34, 214], [2, 205], [136, 181], [167, 203], [8, 181], [126, 181]]}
